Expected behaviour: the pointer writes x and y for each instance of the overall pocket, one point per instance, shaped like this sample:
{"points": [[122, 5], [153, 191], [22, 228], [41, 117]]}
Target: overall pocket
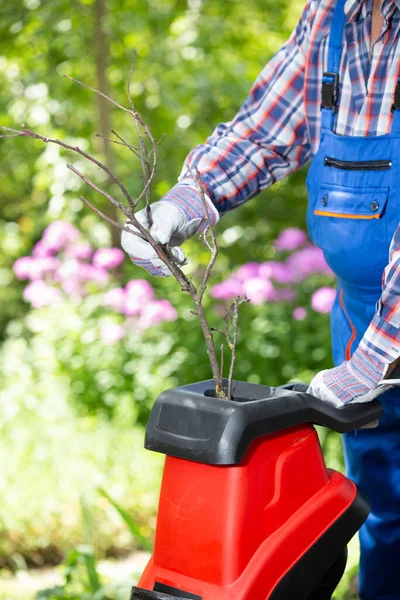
{"points": [[349, 225]]}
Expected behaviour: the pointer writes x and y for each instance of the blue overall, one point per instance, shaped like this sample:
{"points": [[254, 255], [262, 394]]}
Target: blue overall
{"points": [[353, 212]]}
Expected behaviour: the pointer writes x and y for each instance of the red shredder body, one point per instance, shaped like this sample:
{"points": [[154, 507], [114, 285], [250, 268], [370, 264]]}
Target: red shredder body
{"points": [[248, 510]]}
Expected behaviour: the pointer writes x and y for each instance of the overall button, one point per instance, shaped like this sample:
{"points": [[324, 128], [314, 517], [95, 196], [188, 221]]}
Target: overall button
{"points": [[374, 205], [324, 201]]}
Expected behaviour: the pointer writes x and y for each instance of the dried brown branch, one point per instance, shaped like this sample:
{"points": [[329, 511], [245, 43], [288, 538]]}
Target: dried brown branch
{"points": [[148, 162], [108, 219], [212, 246], [98, 189], [16, 131], [133, 149], [11, 135], [234, 319], [26, 132], [148, 172]]}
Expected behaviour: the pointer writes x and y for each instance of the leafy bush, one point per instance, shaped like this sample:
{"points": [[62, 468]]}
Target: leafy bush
{"points": [[90, 349]]}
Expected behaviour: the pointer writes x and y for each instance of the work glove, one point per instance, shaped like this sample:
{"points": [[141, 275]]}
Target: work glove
{"points": [[176, 217], [371, 370]]}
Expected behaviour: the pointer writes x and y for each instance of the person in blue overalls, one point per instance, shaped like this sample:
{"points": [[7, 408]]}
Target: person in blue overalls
{"points": [[330, 95]]}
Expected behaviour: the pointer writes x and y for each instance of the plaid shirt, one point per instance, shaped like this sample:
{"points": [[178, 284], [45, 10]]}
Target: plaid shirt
{"points": [[277, 130]]}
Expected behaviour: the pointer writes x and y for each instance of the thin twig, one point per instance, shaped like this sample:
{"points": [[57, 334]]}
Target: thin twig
{"points": [[133, 112], [48, 140], [13, 130], [213, 246], [132, 67], [95, 187], [234, 318], [147, 171], [108, 219], [148, 160], [107, 139]]}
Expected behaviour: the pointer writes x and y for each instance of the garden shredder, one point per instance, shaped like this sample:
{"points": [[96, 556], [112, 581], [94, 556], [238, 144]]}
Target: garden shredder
{"points": [[248, 510]]}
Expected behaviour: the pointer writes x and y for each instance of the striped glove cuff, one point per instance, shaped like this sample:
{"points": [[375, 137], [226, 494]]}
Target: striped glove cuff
{"points": [[187, 199]]}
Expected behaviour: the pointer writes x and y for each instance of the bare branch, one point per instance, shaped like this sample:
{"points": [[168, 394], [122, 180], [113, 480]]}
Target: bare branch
{"points": [[132, 67], [234, 318], [218, 330], [132, 148], [108, 219], [11, 135], [100, 190], [16, 131], [213, 247], [147, 154], [147, 171], [29, 133], [97, 92]]}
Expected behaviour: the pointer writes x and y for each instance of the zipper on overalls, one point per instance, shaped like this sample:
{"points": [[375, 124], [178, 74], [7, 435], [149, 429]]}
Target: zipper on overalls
{"points": [[352, 328], [365, 165]]}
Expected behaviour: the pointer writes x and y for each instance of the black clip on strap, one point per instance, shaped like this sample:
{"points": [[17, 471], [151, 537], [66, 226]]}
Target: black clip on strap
{"points": [[396, 103], [330, 91]]}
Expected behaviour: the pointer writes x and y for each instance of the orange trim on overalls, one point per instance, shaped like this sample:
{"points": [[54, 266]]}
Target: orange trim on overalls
{"points": [[353, 329], [323, 213]]}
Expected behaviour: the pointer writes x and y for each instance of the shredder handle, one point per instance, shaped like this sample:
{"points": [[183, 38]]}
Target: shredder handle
{"points": [[353, 412]]}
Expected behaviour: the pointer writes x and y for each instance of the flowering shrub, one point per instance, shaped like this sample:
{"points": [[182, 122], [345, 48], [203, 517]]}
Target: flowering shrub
{"points": [[62, 267], [111, 344], [281, 280]]}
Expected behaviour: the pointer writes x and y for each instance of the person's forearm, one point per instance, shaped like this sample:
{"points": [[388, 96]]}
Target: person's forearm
{"points": [[382, 337], [266, 140]]}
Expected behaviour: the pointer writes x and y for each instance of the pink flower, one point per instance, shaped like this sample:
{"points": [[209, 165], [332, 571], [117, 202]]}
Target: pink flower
{"points": [[286, 295], [306, 262], [93, 273], [73, 287], [58, 234], [108, 258], [280, 272], [40, 250], [115, 299], [227, 289], [69, 269], [156, 312], [290, 238], [322, 300], [299, 313], [138, 294], [39, 294], [28, 267], [248, 271], [259, 290], [23, 267], [82, 251], [111, 333]]}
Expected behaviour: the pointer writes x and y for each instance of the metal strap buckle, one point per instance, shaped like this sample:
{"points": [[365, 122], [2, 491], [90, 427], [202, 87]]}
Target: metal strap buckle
{"points": [[330, 91], [396, 103]]}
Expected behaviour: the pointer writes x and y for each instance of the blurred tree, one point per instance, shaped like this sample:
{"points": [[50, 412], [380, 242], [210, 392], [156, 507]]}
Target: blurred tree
{"points": [[197, 60]]}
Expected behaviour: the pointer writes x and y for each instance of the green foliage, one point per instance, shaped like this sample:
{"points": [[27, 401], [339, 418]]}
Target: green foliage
{"points": [[129, 521], [196, 62], [72, 409]]}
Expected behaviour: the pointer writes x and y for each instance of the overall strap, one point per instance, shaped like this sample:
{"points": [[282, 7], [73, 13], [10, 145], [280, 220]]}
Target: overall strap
{"points": [[330, 81], [396, 110]]}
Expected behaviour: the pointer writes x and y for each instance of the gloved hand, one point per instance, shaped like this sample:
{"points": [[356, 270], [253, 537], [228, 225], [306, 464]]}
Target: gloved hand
{"points": [[178, 216], [372, 369], [359, 379]]}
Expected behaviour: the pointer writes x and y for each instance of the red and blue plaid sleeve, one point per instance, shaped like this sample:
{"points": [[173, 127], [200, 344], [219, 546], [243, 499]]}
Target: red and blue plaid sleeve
{"points": [[382, 337], [267, 139]]}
